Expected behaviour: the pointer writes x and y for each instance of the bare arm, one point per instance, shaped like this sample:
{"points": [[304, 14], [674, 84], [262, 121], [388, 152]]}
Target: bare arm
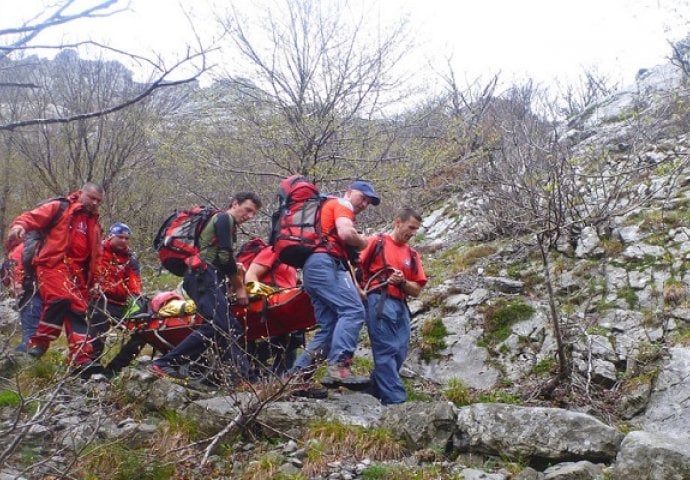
{"points": [[413, 289], [255, 272], [348, 233]]}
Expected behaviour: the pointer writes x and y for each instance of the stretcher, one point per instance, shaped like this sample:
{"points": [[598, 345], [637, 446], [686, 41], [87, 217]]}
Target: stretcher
{"points": [[274, 313], [167, 319]]}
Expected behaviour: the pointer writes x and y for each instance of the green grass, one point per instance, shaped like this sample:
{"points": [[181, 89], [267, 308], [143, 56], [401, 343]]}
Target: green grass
{"points": [[457, 392], [119, 462], [432, 338], [10, 398], [544, 367], [500, 317]]}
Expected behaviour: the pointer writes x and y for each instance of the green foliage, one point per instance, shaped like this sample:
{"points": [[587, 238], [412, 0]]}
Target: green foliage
{"points": [[432, 338], [544, 367], [414, 394], [340, 440], [362, 365], [266, 466], [629, 294], [10, 398], [455, 259], [612, 246], [500, 317], [457, 392], [401, 472], [649, 352], [681, 337], [497, 396], [179, 424], [117, 461], [597, 330], [160, 281]]}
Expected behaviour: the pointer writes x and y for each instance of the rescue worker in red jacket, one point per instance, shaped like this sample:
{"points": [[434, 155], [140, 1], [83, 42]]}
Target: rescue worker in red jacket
{"points": [[22, 288], [118, 280], [267, 268], [66, 267]]}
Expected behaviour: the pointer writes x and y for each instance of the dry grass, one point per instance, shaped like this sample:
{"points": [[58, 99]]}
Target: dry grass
{"points": [[329, 441], [674, 292]]}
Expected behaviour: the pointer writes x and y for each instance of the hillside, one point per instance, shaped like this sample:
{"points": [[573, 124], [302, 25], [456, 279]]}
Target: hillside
{"points": [[484, 402]]}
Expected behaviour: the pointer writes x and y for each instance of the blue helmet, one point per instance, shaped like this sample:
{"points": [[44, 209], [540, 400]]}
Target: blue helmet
{"points": [[118, 228]]}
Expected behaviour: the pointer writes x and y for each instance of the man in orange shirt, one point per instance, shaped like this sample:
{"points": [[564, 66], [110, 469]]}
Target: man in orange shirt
{"points": [[392, 271], [337, 304]]}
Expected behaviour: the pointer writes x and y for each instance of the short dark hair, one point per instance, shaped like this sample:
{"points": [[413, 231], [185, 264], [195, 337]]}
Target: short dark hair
{"points": [[93, 187], [406, 213], [241, 197]]}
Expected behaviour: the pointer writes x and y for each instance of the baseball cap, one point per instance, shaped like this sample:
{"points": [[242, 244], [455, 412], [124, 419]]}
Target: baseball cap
{"points": [[366, 189], [119, 229]]}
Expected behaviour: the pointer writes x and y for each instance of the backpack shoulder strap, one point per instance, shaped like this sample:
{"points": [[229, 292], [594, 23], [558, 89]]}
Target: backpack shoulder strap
{"points": [[223, 226], [64, 203], [377, 250]]}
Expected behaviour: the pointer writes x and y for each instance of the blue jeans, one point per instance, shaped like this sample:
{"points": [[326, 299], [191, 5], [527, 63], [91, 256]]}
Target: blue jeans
{"points": [[389, 334], [29, 316], [338, 309]]}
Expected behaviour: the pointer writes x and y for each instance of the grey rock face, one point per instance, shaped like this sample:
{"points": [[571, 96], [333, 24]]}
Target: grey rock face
{"points": [[541, 433], [421, 425], [668, 411], [649, 456]]}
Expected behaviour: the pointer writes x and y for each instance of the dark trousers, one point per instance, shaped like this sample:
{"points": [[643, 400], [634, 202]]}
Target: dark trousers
{"points": [[102, 314], [127, 353], [220, 329]]}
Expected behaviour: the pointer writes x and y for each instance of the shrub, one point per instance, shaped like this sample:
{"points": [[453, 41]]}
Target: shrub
{"points": [[457, 392], [674, 292], [10, 398]]}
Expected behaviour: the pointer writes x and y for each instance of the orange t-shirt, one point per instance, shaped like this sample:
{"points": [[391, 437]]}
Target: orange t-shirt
{"points": [[396, 255], [331, 210], [282, 276]]}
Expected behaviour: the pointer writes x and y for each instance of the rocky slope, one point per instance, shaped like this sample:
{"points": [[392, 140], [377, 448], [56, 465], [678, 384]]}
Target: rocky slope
{"points": [[483, 350]]}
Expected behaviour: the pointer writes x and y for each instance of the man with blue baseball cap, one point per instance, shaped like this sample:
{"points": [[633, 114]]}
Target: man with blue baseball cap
{"points": [[366, 189], [327, 279]]}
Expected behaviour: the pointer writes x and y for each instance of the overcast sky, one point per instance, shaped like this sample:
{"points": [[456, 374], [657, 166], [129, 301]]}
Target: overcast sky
{"points": [[541, 39]]}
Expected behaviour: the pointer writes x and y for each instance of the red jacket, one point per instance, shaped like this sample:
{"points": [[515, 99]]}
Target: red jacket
{"points": [[58, 239], [118, 275]]}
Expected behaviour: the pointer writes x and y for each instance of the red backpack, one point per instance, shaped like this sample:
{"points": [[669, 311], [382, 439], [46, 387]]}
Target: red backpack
{"points": [[248, 252], [178, 238], [296, 225]]}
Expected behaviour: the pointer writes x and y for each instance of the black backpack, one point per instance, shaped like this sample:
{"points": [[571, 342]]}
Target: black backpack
{"points": [[33, 241]]}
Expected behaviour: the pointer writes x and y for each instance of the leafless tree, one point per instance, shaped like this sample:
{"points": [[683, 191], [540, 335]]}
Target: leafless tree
{"points": [[18, 41], [320, 77], [79, 96], [592, 87]]}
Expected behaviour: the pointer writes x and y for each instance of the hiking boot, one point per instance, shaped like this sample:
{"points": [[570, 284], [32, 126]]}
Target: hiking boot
{"points": [[340, 371], [36, 351], [167, 372]]}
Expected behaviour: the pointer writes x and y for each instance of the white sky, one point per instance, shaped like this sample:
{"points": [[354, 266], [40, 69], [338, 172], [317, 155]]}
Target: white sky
{"points": [[545, 40]]}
